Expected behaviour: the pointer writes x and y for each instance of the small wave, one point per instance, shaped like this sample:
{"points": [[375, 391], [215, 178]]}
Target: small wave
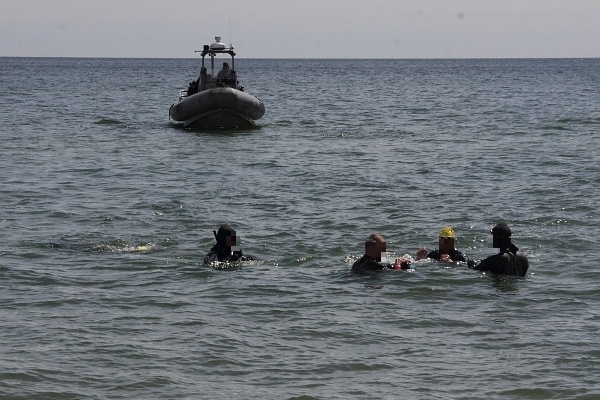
{"points": [[303, 397], [582, 121], [282, 123], [224, 265], [556, 128], [334, 135], [122, 248], [108, 121], [20, 377], [114, 247], [166, 207]]}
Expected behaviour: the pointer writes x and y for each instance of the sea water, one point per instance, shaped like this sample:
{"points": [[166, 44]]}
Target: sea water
{"points": [[108, 209]]}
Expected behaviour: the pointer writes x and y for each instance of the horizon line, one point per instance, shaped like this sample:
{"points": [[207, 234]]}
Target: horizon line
{"points": [[321, 58]]}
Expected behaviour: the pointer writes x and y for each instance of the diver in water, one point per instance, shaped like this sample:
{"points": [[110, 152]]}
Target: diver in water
{"points": [[446, 250], [507, 261], [371, 261], [226, 249]]}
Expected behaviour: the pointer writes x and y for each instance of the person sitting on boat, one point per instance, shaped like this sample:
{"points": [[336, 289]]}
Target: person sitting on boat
{"points": [[227, 248], [507, 261], [224, 73], [446, 250], [375, 246], [207, 78], [192, 88]]}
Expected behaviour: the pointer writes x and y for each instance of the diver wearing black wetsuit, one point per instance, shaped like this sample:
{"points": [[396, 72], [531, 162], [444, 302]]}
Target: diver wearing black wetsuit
{"points": [[446, 247], [226, 249], [507, 261], [371, 260], [368, 263], [454, 254]]}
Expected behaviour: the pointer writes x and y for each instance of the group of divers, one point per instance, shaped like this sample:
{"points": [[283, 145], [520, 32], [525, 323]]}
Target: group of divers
{"points": [[507, 262]]}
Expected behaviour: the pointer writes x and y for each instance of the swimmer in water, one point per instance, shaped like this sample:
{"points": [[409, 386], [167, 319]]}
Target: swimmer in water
{"points": [[446, 250], [507, 261], [375, 245]]}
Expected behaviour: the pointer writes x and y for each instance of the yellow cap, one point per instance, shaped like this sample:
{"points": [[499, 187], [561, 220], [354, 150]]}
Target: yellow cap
{"points": [[447, 232]]}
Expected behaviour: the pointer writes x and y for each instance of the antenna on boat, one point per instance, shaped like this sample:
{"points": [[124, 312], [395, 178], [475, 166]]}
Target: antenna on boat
{"points": [[230, 37]]}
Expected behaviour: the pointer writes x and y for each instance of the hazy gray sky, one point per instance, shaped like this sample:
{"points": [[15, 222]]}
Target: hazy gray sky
{"points": [[302, 28]]}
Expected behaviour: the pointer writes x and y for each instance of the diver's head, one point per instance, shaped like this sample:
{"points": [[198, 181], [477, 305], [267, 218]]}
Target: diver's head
{"points": [[501, 234], [226, 237], [446, 240], [375, 246], [225, 65]]}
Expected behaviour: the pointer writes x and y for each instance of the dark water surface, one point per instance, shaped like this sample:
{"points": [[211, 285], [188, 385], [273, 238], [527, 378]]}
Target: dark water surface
{"points": [[108, 209]]}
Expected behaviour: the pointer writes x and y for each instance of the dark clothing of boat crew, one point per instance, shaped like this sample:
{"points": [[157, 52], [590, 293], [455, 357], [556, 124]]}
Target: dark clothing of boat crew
{"points": [[192, 88], [225, 72], [446, 250], [507, 261], [375, 245], [226, 249]]}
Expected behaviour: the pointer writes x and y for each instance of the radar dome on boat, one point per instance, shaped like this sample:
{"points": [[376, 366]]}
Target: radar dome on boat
{"points": [[218, 45]]}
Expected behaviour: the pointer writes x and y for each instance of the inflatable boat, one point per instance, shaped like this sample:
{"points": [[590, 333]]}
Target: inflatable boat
{"points": [[216, 101]]}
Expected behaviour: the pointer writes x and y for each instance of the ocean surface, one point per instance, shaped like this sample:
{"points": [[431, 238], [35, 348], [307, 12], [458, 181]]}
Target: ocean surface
{"points": [[108, 208]]}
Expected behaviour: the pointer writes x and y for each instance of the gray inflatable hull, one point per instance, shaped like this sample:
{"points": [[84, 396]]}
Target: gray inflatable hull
{"points": [[218, 109]]}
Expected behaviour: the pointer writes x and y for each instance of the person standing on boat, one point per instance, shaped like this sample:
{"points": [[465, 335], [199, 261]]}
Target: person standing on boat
{"points": [[446, 250], [507, 261], [227, 248], [375, 246]]}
